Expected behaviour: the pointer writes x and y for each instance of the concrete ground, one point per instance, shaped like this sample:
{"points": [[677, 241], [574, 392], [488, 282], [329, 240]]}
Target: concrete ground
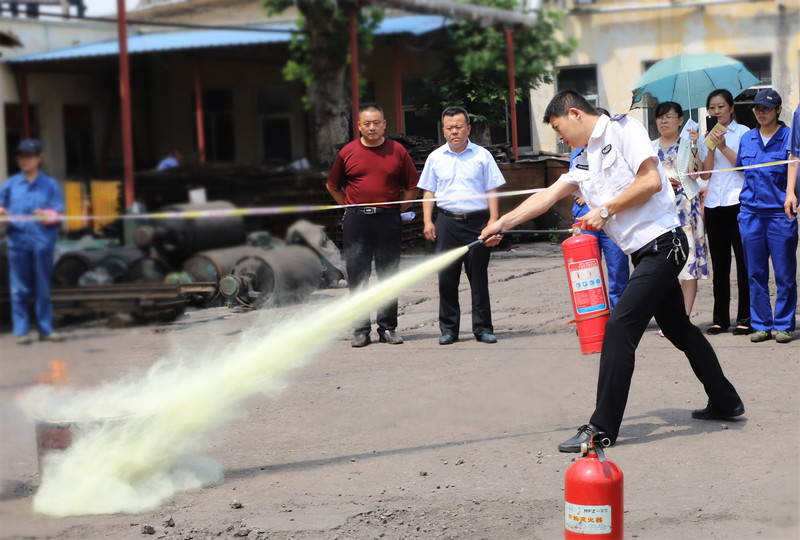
{"points": [[424, 441]]}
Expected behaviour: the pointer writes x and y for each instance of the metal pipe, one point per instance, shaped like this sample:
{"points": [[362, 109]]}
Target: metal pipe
{"points": [[354, 68], [198, 112], [26, 107], [512, 91], [125, 106], [398, 90], [650, 7]]}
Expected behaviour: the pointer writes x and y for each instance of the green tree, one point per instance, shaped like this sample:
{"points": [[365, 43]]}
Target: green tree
{"points": [[320, 59], [474, 66]]}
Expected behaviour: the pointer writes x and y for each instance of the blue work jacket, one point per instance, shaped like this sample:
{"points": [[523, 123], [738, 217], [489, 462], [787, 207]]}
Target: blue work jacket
{"points": [[20, 198], [764, 189]]}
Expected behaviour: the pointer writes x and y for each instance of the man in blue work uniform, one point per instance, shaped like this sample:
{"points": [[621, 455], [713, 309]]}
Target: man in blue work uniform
{"points": [[766, 232], [31, 243]]}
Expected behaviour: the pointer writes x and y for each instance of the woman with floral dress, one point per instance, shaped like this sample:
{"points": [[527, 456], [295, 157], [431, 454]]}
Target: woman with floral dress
{"points": [[679, 156]]}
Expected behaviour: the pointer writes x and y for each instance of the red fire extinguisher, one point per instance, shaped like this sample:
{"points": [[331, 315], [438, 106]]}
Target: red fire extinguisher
{"points": [[593, 497], [588, 289]]}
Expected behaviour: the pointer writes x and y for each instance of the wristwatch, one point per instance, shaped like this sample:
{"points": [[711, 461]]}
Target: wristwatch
{"points": [[604, 212]]}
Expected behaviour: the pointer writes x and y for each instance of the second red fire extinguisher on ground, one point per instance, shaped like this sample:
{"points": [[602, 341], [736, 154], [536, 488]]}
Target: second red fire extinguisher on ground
{"points": [[587, 289], [593, 497]]}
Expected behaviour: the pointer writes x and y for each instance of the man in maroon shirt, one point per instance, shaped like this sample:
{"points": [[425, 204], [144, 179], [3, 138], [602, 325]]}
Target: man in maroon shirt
{"points": [[373, 169]]}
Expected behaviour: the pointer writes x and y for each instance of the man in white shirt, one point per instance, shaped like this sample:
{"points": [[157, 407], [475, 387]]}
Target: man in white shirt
{"points": [[630, 199], [461, 173]]}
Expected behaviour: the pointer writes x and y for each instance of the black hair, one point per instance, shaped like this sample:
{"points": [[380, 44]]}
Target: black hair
{"points": [[566, 100], [668, 106], [369, 105], [454, 111], [723, 93]]}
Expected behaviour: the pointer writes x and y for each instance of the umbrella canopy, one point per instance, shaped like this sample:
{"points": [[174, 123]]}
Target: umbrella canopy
{"points": [[687, 79]]}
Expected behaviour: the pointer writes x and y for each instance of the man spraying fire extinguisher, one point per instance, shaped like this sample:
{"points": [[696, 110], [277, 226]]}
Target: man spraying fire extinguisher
{"points": [[627, 191]]}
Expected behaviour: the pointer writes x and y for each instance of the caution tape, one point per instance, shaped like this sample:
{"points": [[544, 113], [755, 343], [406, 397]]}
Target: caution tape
{"points": [[255, 211], [743, 167], [300, 209]]}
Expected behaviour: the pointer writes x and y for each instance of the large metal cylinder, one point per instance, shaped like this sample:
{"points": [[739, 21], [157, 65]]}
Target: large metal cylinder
{"points": [[211, 265], [117, 262], [275, 277], [178, 238], [73, 264], [148, 270]]}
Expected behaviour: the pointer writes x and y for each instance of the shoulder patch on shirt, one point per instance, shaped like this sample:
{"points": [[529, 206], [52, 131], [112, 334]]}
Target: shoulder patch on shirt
{"points": [[606, 149], [618, 117]]}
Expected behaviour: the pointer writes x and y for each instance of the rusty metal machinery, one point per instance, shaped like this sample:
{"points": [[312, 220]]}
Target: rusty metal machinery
{"points": [[210, 266], [275, 277], [177, 239]]}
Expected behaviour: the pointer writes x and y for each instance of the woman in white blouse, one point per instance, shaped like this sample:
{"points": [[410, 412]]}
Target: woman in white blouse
{"points": [[721, 213]]}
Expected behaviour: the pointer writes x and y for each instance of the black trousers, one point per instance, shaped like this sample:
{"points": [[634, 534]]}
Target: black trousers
{"points": [[369, 237], [452, 233], [653, 290], [722, 229]]}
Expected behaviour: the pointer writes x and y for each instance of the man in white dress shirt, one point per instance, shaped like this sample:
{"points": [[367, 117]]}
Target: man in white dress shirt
{"points": [[630, 199], [461, 173]]}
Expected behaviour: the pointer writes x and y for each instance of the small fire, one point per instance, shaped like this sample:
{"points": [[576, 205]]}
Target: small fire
{"points": [[57, 376]]}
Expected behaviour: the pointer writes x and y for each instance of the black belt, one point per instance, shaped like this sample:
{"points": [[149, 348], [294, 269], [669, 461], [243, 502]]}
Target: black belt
{"points": [[463, 216], [373, 210]]}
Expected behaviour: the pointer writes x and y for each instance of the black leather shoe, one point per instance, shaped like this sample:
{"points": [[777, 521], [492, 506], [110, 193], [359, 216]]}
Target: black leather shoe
{"points": [[742, 331], [710, 413], [714, 330], [584, 435], [360, 340], [390, 336], [447, 339], [487, 338]]}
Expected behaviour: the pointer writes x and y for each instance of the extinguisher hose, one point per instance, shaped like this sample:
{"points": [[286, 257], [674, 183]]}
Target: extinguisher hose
{"points": [[523, 231]]}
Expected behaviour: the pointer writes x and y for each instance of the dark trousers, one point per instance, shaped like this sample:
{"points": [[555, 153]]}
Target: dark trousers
{"points": [[369, 237], [653, 290], [722, 229], [452, 233]]}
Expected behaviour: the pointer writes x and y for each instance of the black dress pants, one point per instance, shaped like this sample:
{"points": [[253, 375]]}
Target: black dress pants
{"points": [[653, 290], [367, 237], [722, 229], [452, 233]]}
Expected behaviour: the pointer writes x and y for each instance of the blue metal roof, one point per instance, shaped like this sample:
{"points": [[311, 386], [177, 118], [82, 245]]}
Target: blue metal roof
{"points": [[201, 39]]}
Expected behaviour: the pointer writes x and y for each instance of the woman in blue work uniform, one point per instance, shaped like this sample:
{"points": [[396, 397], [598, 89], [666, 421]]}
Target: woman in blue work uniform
{"points": [[767, 233]]}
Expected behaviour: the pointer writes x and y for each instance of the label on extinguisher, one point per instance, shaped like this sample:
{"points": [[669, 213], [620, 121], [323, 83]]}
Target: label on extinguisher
{"points": [[587, 286], [582, 519]]}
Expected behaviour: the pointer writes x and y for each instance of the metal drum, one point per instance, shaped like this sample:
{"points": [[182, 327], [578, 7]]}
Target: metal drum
{"points": [[275, 277]]}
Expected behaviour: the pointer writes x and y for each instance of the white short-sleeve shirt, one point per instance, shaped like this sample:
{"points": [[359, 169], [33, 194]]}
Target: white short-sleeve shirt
{"points": [[460, 177], [608, 166], [724, 187]]}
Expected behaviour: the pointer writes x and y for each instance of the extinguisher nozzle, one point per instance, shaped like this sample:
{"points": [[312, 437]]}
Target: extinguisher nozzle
{"points": [[476, 243]]}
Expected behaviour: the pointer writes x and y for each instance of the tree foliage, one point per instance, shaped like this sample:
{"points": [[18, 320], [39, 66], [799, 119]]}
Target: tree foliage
{"points": [[474, 65], [324, 36]]}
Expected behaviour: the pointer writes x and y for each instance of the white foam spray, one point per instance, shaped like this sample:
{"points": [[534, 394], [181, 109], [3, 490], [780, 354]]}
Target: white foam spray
{"points": [[133, 448]]}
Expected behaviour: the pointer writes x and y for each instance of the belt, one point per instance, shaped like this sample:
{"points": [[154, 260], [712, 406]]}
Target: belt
{"points": [[368, 210], [463, 216]]}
